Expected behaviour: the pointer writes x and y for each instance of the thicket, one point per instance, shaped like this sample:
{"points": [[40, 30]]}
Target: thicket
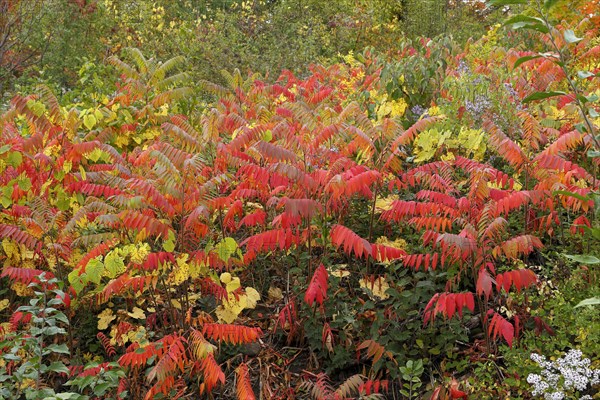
{"points": [[406, 224]]}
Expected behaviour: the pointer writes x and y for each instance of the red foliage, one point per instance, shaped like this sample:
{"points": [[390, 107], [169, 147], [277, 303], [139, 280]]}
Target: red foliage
{"points": [[317, 289], [342, 236], [232, 334], [448, 304]]}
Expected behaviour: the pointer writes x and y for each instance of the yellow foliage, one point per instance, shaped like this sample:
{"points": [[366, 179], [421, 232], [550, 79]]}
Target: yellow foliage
{"points": [[225, 277], [175, 303], [181, 272], [137, 313], [138, 335], [105, 318], [4, 304], [138, 254], [339, 270], [377, 287], [471, 142], [21, 289], [397, 244], [5, 327], [252, 297], [197, 269], [11, 249], [229, 310], [428, 142]]}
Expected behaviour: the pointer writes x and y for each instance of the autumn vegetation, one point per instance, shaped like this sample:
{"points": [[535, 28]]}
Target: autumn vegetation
{"points": [[404, 218]]}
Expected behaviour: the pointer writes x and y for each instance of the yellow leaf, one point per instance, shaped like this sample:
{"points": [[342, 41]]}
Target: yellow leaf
{"points": [[137, 313], [21, 289], [377, 287], [233, 285], [397, 244], [229, 310], [82, 172], [340, 273], [105, 318], [252, 297], [67, 165], [181, 272], [384, 204], [4, 304], [225, 277], [202, 348], [5, 327], [176, 304], [138, 336], [139, 254], [197, 269], [11, 250]]}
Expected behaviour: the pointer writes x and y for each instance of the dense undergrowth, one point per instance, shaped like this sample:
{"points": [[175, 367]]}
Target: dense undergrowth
{"points": [[406, 227]]}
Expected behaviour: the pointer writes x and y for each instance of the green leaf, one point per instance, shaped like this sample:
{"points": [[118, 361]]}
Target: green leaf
{"points": [[59, 367], [499, 3], [591, 98], [549, 3], [524, 21], [114, 264], [267, 136], [571, 194], [94, 270], [542, 95], [37, 107], [570, 37], [24, 183], [4, 148], [58, 348], [77, 281], [5, 201], [89, 121], [592, 301], [523, 18], [70, 396], [101, 388], [525, 59], [593, 153], [169, 244], [63, 202], [14, 158], [225, 248], [585, 74], [583, 258]]}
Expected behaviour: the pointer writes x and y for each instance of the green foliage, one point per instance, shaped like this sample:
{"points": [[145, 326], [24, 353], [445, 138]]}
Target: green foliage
{"points": [[411, 378], [30, 356]]}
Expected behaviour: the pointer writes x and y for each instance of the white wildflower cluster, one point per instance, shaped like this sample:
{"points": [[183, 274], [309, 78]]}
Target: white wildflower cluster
{"points": [[568, 374]]}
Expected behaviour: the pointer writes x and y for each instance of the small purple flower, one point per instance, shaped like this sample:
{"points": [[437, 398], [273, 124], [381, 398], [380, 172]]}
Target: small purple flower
{"points": [[463, 67], [419, 111], [478, 106]]}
